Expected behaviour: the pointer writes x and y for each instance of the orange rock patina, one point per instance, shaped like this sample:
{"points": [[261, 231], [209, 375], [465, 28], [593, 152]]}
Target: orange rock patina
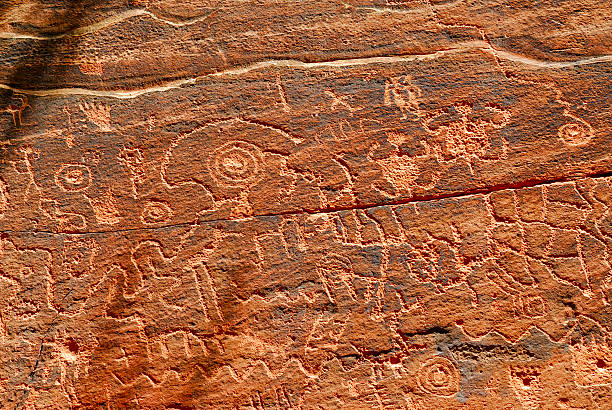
{"points": [[305, 204]]}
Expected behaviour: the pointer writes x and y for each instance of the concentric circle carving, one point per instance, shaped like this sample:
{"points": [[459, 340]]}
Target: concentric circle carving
{"points": [[439, 376], [156, 212], [575, 133], [73, 177], [236, 163]]}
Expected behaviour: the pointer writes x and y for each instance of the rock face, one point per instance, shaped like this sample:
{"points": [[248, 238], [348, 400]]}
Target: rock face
{"points": [[305, 204]]}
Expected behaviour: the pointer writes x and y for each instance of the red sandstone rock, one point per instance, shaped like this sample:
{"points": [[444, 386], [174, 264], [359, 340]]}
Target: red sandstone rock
{"points": [[359, 204]]}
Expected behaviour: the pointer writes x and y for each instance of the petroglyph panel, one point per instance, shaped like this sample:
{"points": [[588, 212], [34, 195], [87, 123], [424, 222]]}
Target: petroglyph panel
{"points": [[305, 204], [480, 299], [366, 133]]}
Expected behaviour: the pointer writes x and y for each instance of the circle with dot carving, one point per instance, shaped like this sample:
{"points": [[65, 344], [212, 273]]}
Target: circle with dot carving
{"points": [[575, 133], [73, 177], [236, 163], [439, 376], [156, 212]]}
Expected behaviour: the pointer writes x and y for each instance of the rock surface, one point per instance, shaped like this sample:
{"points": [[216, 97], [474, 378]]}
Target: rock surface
{"points": [[305, 204]]}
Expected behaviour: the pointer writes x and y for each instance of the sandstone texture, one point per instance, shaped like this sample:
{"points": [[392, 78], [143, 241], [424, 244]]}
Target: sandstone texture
{"points": [[358, 204]]}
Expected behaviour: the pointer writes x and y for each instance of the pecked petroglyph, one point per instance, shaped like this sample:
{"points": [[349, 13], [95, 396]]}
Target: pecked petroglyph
{"points": [[380, 266], [199, 209], [98, 114], [439, 376], [73, 177]]}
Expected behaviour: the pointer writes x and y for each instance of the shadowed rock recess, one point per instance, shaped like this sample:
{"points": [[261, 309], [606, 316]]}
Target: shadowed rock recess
{"points": [[300, 204]]}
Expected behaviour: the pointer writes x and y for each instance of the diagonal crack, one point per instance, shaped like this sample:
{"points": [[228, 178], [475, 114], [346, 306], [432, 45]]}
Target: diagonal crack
{"points": [[529, 183], [416, 199]]}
